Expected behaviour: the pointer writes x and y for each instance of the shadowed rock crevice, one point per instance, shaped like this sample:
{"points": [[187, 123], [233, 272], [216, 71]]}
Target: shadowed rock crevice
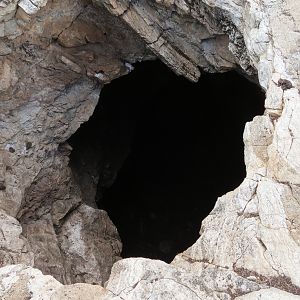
{"points": [[159, 150]]}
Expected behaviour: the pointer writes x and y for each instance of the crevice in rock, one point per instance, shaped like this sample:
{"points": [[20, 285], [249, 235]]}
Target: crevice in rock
{"points": [[159, 150]]}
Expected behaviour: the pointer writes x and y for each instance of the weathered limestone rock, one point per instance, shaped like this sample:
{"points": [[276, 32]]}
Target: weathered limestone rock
{"points": [[252, 231], [266, 294], [182, 41], [32, 6], [21, 282], [90, 245], [50, 80], [150, 279], [54, 58], [14, 247]]}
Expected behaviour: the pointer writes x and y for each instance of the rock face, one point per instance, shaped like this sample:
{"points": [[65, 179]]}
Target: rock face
{"points": [[21, 282], [54, 58], [53, 66]]}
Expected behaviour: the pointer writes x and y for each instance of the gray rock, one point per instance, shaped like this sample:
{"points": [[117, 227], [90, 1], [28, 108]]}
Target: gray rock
{"points": [[52, 68]]}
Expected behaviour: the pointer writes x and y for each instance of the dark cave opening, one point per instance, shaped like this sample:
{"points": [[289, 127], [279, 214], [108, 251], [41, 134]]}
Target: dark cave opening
{"points": [[159, 150]]}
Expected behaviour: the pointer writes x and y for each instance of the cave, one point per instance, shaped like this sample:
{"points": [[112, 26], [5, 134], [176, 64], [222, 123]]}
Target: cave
{"points": [[159, 150]]}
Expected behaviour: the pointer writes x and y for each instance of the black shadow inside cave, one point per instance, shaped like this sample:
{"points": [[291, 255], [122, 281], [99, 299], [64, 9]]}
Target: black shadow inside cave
{"points": [[164, 149]]}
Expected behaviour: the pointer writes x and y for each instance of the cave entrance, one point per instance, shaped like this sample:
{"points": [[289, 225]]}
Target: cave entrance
{"points": [[159, 150]]}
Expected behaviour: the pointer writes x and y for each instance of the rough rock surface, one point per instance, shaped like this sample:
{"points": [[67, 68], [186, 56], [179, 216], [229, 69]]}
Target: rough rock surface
{"points": [[54, 58], [23, 282], [53, 63]]}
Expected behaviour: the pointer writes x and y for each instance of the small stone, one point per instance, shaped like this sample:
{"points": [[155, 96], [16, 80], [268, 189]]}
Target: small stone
{"points": [[4, 3], [285, 84], [4, 49], [32, 6], [28, 145], [2, 186], [73, 66], [129, 67], [12, 29], [2, 33], [11, 150]]}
